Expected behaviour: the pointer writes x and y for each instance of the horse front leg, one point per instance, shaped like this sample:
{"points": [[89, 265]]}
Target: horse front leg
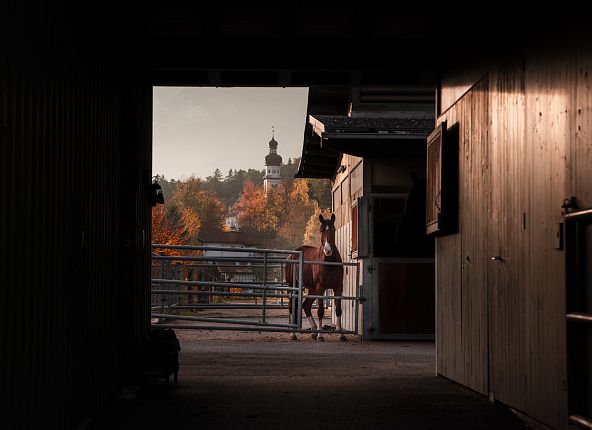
{"points": [[307, 306], [338, 318], [321, 313]]}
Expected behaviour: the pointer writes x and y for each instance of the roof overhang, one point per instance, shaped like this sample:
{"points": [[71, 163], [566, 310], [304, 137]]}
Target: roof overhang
{"points": [[316, 162], [374, 144], [328, 137]]}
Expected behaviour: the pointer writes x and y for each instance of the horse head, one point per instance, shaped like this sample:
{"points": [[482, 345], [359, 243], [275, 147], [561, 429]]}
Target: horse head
{"points": [[327, 235]]}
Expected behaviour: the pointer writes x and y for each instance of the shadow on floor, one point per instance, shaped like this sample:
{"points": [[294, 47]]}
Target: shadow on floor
{"points": [[277, 384]]}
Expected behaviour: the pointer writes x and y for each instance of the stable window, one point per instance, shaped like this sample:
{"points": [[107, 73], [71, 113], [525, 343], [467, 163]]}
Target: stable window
{"points": [[442, 181], [359, 226], [336, 198]]}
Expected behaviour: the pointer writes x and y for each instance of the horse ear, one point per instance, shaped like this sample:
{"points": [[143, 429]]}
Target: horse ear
{"points": [[321, 218], [332, 217]]}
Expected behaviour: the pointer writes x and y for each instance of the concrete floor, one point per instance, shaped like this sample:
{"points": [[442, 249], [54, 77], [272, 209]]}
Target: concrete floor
{"points": [[258, 381]]}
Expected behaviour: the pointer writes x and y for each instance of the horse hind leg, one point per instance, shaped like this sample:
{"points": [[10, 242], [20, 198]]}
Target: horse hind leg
{"points": [[321, 313], [290, 320]]}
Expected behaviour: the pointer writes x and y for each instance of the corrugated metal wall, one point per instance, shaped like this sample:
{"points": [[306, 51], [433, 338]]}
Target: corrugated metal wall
{"points": [[74, 167]]}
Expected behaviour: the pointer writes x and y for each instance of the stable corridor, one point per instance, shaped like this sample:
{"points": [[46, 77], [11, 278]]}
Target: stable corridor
{"points": [[258, 381]]}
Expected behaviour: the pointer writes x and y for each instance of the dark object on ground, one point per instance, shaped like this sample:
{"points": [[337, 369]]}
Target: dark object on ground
{"points": [[160, 355]]}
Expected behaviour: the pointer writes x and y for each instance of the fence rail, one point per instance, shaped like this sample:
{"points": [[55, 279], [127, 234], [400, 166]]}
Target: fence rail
{"points": [[230, 279]]}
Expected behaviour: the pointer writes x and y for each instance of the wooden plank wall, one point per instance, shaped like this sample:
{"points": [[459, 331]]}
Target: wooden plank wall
{"points": [[462, 259], [549, 112], [343, 225], [524, 147], [508, 304], [64, 299]]}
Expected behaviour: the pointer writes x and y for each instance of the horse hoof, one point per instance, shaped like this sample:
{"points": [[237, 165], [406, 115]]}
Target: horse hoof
{"points": [[320, 339], [314, 336], [343, 338], [293, 336]]}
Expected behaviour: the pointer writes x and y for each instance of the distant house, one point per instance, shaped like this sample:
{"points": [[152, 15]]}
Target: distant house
{"points": [[234, 271], [231, 218]]}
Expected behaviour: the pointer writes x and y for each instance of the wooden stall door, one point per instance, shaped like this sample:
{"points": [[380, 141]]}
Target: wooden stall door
{"points": [[406, 298], [508, 263]]}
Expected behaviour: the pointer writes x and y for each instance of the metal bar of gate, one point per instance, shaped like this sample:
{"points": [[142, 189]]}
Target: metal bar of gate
{"points": [[219, 293], [266, 261], [578, 316], [264, 286], [269, 329], [580, 421], [162, 277], [219, 320], [221, 284], [300, 287], [357, 301], [294, 304], [225, 306]]}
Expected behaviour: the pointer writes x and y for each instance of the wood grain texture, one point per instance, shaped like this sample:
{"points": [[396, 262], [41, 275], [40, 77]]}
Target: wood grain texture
{"points": [[462, 258], [500, 324]]}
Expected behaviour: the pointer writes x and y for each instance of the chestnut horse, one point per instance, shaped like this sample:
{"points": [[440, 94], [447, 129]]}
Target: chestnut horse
{"points": [[318, 278]]}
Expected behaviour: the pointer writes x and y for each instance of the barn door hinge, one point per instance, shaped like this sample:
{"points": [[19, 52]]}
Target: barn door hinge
{"points": [[569, 204]]}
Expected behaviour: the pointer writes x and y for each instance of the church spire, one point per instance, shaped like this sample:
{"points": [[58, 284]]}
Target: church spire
{"points": [[273, 163]]}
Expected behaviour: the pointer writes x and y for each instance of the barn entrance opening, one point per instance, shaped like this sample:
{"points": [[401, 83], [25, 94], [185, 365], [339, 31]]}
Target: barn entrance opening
{"points": [[225, 159]]}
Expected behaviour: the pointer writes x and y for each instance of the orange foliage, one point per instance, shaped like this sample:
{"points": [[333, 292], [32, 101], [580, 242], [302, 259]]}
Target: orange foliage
{"points": [[167, 228], [254, 212]]}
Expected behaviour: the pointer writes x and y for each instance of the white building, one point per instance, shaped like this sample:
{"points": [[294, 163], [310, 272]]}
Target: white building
{"points": [[233, 240]]}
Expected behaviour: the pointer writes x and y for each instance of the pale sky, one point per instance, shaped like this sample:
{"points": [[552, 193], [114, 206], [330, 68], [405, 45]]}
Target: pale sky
{"points": [[196, 130]]}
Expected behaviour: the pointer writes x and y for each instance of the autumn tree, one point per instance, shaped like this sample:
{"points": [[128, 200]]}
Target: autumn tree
{"points": [[320, 190], [254, 214], [167, 225], [199, 206], [295, 215]]}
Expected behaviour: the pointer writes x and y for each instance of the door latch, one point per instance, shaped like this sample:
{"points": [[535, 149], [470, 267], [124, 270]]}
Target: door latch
{"points": [[371, 269]]}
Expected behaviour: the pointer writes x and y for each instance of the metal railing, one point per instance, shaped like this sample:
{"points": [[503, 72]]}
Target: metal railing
{"points": [[578, 231], [223, 278]]}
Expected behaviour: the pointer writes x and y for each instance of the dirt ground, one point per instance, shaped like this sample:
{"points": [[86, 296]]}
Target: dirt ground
{"points": [[251, 380]]}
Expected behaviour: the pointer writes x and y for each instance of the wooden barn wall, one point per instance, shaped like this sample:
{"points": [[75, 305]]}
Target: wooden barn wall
{"points": [[461, 259], [343, 234], [524, 147], [76, 152]]}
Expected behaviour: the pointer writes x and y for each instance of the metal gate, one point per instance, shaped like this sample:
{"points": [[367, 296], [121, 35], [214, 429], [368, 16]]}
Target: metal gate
{"points": [[578, 228], [189, 280]]}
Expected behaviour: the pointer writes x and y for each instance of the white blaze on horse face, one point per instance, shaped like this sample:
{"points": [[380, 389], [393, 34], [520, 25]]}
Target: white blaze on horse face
{"points": [[327, 250]]}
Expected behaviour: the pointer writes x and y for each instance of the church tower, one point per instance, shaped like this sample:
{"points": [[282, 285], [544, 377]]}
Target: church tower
{"points": [[272, 165]]}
